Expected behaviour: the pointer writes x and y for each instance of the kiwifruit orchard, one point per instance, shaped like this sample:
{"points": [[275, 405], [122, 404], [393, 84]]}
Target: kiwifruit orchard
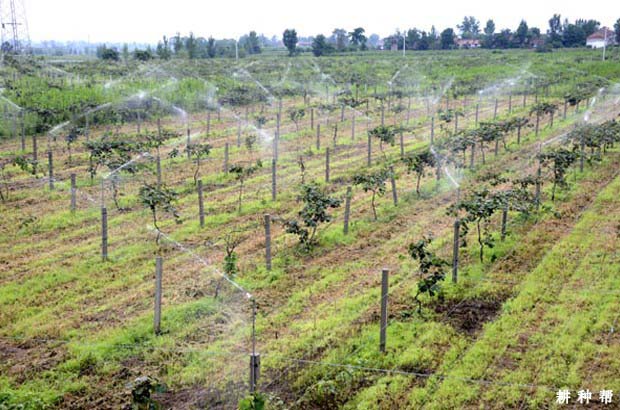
{"points": [[364, 231]]}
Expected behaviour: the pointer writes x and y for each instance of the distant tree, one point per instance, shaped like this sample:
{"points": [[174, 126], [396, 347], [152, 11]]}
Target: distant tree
{"points": [[320, 46], [412, 39], [425, 42], [469, 28], [489, 31], [555, 30], [106, 53], [589, 26], [163, 49], [191, 45], [289, 38], [340, 38], [357, 38], [521, 34], [503, 39], [433, 37], [617, 29], [125, 53], [177, 44], [573, 36], [373, 40], [211, 49], [142, 55], [447, 39], [252, 43]]}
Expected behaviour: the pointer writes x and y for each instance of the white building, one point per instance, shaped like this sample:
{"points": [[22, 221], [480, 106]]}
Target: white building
{"points": [[601, 38]]}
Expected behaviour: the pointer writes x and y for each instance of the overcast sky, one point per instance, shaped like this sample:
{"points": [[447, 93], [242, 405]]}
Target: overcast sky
{"points": [[148, 20]]}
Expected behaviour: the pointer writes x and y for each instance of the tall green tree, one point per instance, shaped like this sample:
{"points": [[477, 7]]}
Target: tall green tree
{"points": [[320, 46], [177, 44], [357, 38], [447, 39], [469, 28], [211, 47], [521, 34], [289, 38], [489, 31], [252, 43], [617, 29], [555, 30], [191, 46], [163, 49]]}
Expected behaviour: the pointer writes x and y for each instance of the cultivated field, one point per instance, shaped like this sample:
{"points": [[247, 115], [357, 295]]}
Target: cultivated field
{"points": [[517, 151]]}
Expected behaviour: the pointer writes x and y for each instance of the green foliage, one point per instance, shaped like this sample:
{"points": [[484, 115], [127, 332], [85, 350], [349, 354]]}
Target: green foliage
{"points": [[289, 38], [559, 160], [316, 203], [296, 114], [156, 197], [479, 207], [385, 134], [255, 401], [241, 173], [198, 152], [417, 163], [373, 181], [432, 269]]}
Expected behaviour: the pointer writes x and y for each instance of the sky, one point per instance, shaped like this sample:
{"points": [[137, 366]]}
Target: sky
{"points": [[145, 21]]}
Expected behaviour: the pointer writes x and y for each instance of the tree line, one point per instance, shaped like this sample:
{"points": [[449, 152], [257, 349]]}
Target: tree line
{"points": [[560, 33]]}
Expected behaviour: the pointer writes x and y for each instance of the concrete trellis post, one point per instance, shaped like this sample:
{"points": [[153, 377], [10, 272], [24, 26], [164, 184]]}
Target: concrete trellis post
{"points": [[432, 130], [239, 134], [382, 115], [208, 122], [22, 130], [347, 210], [104, 233], [477, 114], [273, 180], [402, 145], [510, 103], [504, 220], [226, 148], [455, 251], [353, 127], [565, 108], [267, 241], [369, 149], [311, 118], [318, 137], [35, 154], [201, 205], [73, 193], [393, 183], [158, 292], [50, 169], [384, 307], [327, 164], [495, 109]]}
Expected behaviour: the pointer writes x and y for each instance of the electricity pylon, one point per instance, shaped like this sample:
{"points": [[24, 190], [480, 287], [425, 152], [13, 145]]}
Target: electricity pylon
{"points": [[14, 27]]}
